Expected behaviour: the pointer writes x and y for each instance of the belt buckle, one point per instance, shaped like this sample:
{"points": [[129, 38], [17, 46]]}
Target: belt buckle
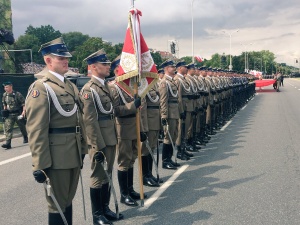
{"points": [[77, 129], [111, 116]]}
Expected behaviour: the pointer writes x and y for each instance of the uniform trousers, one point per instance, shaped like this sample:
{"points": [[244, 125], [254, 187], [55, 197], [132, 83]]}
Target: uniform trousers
{"points": [[64, 184], [98, 176], [127, 153]]}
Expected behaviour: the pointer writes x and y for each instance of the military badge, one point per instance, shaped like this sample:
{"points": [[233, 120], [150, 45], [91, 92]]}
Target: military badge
{"points": [[35, 93], [86, 96]]}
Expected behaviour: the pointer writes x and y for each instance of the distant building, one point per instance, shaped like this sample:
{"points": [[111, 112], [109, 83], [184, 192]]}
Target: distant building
{"points": [[166, 55]]}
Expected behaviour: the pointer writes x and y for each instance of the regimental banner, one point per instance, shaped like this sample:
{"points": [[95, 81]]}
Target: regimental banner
{"points": [[136, 64]]}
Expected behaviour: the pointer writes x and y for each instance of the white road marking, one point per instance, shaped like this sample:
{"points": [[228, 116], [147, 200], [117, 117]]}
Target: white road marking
{"points": [[244, 107], [14, 159], [226, 125], [164, 187]]}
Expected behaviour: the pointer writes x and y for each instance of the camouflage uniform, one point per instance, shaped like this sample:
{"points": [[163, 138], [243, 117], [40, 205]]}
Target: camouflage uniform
{"points": [[14, 103]]}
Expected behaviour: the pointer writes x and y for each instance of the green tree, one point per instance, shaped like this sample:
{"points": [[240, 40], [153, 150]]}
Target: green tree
{"points": [[187, 59], [74, 39], [88, 47], [28, 41], [156, 58], [43, 33]]}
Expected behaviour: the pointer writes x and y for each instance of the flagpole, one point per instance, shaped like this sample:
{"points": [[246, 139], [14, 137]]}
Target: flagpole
{"points": [[138, 130]]}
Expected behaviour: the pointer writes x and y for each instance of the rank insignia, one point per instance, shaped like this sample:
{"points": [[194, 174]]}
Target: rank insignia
{"points": [[86, 96], [35, 93]]}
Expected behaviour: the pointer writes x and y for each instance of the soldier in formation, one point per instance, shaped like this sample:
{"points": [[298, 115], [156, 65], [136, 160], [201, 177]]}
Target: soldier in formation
{"points": [[189, 107], [56, 132]]}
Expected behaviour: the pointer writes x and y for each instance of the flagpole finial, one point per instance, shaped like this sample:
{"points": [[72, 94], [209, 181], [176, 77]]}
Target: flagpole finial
{"points": [[132, 3]]}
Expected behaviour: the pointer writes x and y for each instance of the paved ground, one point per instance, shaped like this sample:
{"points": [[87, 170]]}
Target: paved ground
{"points": [[249, 174]]}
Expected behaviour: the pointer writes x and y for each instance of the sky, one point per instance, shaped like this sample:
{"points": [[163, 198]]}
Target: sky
{"points": [[252, 25]]}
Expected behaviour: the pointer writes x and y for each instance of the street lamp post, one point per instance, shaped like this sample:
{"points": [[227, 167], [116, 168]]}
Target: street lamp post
{"points": [[246, 57], [230, 34], [192, 2]]}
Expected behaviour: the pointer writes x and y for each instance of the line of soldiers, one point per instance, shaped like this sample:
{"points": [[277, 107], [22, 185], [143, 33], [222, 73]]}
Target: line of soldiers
{"points": [[64, 125], [195, 102]]}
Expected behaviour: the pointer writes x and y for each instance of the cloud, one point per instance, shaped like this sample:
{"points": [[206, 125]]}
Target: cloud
{"points": [[267, 24]]}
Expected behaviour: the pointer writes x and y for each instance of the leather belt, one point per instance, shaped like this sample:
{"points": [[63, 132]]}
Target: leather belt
{"points": [[152, 107], [128, 116], [64, 130], [106, 117], [172, 101]]}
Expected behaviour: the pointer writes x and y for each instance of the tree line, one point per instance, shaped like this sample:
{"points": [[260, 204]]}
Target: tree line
{"points": [[81, 45]]}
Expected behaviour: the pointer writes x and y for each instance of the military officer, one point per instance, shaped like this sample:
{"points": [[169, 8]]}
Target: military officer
{"points": [[13, 112], [55, 131], [169, 111], [191, 137], [185, 107], [125, 107], [101, 135], [150, 110]]}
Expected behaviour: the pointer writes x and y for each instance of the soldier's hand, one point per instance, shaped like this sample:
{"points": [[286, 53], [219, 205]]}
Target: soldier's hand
{"points": [[143, 136], [82, 159], [137, 101], [99, 156], [164, 122], [183, 116], [39, 175]]}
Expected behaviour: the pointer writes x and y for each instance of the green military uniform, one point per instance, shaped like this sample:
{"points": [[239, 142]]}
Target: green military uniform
{"points": [[55, 140], [14, 103], [56, 134], [185, 103], [150, 110], [169, 111]]}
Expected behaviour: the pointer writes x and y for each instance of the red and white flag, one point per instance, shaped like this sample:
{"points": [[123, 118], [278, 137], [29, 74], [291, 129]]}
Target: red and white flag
{"points": [[136, 62], [199, 58]]}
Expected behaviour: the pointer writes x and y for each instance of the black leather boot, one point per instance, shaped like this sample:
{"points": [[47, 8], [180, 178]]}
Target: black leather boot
{"points": [[147, 178], [25, 139], [97, 209], [132, 193], [55, 219], [181, 155], [170, 154], [166, 164], [123, 183], [110, 215], [7, 145], [150, 160], [69, 215]]}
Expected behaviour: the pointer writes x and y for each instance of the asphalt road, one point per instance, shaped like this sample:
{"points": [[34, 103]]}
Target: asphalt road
{"points": [[248, 174]]}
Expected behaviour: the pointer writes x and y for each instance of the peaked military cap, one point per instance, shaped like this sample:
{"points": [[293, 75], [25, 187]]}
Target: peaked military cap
{"points": [[181, 63], [191, 66], [160, 71], [166, 63], [55, 47], [115, 63], [6, 83], [99, 56]]}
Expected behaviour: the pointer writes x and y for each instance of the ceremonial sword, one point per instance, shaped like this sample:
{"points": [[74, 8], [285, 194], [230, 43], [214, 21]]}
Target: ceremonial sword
{"points": [[152, 155], [83, 201], [50, 193], [171, 141]]}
